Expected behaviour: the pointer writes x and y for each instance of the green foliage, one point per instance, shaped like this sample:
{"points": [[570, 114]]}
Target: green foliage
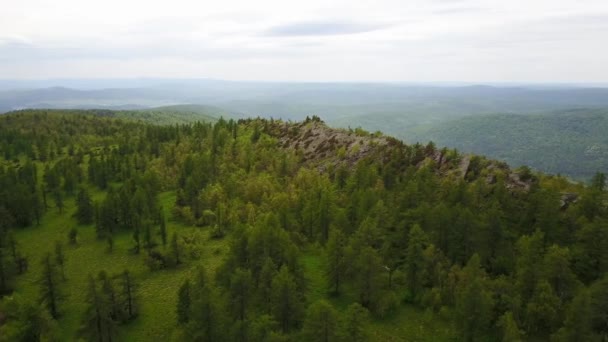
{"points": [[321, 323], [568, 142], [25, 320], [287, 245], [336, 263]]}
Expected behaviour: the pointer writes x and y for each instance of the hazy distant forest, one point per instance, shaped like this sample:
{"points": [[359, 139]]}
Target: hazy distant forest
{"points": [[266, 230]]}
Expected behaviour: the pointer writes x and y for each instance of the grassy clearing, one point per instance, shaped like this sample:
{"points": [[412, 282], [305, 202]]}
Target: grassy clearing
{"points": [[156, 290]]}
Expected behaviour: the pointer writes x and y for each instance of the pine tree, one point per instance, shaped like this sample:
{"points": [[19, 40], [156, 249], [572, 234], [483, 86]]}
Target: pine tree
{"points": [[49, 286], [264, 285], [356, 319], [321, 323], [58, 196], [163, 227], [474, 303], [128, 294], [336, 263], [207, 320], [542, 311], [85, 211], [24, 320], [183, 303], [97, 323], [578, 323], [60, 258], [510, 330], [286, 304], [176, 249], [368, 268], [136, 238], [414, 260], [241, 285]]}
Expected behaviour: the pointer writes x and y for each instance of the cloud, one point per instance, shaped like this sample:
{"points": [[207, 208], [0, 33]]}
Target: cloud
{"points": [[320, 28]]}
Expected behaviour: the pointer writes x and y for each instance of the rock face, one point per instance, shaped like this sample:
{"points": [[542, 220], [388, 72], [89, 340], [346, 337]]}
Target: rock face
{"points": [[464, 166], [323, 147], [566, 199], [515, 181], [318, 143]]}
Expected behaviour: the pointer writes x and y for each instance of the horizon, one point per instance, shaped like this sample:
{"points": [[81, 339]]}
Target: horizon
{"points": [[63, 82]]}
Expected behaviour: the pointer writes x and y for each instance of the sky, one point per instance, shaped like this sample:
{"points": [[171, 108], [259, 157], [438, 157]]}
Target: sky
{"points": [[312, 40]]}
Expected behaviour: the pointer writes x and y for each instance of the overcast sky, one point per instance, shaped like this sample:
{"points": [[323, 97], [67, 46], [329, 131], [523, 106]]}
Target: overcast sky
{"points": [[312, 40]]}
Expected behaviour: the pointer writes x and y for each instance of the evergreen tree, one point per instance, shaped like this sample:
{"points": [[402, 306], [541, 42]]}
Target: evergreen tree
{"points": [[50, 295], [58, 196], [264, 285], [415, 260], [97, 323], [241, 286], [163, 228], [128, 296], [578, 323], [510, 330], [336, 263], [60, 258], [24, 320], [542, 311], [356, 319], [474, 303], [136, 239], [321, 323], [85, 212], [368, 268], [206, 321], [286, 303], [183, 303], [176, 250]]}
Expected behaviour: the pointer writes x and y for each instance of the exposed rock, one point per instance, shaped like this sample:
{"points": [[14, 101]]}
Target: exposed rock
{"points": [[464, 166], [324, 148], [319, 144], [566, 199], [515, 182], [491, 179]]}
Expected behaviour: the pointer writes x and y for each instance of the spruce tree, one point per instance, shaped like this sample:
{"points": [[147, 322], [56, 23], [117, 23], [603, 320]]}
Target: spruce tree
{"points": [[335, 260], [50, 295]]}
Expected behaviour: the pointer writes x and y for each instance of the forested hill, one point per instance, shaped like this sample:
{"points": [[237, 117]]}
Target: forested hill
{"points": [[572, 143], [262, 230], [166, 115]]}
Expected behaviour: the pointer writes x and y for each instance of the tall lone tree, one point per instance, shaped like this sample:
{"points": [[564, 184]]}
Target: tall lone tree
{"points": [[163, 228], [128, 294], [335, 267], [49, 286], [183, 303], [97, 323], [60, 258], [85, 212]]}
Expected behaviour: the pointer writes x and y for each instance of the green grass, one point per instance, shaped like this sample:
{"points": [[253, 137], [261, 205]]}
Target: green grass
{"points": [[156, 293]]}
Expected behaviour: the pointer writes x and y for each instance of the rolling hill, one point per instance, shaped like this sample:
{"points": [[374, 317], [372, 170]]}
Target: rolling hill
{"points": [[572, 143]]}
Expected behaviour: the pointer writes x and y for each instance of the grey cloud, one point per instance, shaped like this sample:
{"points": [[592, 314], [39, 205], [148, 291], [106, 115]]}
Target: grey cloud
{"points": [[319, 28]]}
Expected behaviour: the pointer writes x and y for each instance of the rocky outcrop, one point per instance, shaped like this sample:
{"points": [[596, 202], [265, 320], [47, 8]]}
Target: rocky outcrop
{"points": [[566, 199]]}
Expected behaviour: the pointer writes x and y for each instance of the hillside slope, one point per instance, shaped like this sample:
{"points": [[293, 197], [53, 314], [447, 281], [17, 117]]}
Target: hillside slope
{"points": [[572, 143]]}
